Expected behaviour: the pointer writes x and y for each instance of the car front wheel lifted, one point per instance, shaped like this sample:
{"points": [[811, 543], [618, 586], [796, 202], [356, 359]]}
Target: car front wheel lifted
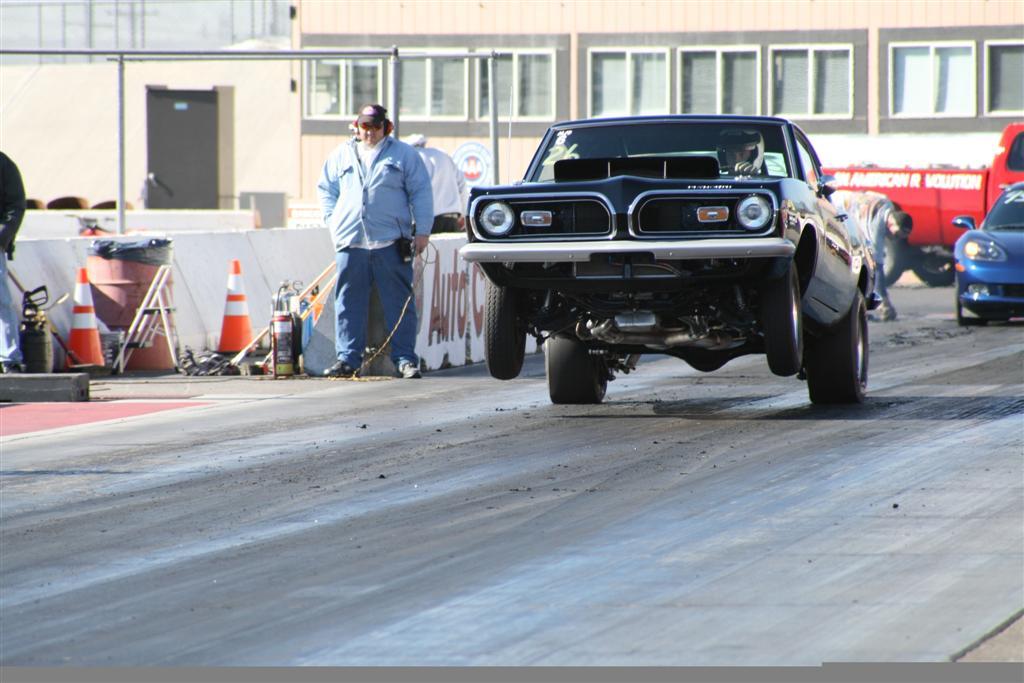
{"points": [[782, 322], [504, 334]]}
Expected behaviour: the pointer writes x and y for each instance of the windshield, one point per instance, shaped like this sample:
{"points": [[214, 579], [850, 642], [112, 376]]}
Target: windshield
{"points": [[1008, 212], [741, 148]]}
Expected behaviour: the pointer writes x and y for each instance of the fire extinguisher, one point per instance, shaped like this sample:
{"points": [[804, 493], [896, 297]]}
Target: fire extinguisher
{"points": [[282, 356]]}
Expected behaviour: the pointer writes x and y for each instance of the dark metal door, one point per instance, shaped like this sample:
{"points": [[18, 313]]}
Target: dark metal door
{"points": [[181, 134]]}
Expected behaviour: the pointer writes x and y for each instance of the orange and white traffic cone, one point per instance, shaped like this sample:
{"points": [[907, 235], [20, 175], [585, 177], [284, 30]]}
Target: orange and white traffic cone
{"points": [[236, 330], [84, 343]]}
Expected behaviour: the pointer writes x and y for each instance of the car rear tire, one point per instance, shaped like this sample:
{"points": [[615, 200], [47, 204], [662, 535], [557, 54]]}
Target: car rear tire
{"points": [[837, 364], [782, 322], [574, 376], [504, 335], [935, 270]]}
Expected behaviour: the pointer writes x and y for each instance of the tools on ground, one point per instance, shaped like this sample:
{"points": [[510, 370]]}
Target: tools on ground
{"points": [[285, 339], [34, 332], [53, 328], [311, 303]]}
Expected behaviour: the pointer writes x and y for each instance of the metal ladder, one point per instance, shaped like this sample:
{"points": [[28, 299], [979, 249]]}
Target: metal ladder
{"points": [[154, 316]]}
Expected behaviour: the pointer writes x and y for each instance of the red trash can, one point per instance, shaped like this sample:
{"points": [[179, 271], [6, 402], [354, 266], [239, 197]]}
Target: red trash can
{"points": [[121, 272]]}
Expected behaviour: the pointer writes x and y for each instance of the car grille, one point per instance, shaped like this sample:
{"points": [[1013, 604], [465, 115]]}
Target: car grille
{"points": [[558, 219], [583, 217], [1013, 290], [690, 216]]}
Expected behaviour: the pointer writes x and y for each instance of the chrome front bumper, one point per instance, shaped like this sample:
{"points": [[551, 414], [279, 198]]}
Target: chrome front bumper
{"points": [[662, 250]]}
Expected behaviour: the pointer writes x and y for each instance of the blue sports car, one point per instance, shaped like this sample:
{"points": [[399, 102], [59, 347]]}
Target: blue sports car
{"points": [[990, 262]]}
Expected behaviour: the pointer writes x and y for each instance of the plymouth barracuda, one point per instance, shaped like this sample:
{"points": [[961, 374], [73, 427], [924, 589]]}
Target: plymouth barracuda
{"points": [[699, 237]]}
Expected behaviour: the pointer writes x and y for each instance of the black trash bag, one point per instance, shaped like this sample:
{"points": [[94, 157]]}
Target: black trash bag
{"points": [[152, 251], [207, 363]]}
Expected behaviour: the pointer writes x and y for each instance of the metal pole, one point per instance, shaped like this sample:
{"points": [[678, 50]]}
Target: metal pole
{"points": [[120, 145], [131, 23], [39, 28], [89, 36], [393, 87], [493, 106]]}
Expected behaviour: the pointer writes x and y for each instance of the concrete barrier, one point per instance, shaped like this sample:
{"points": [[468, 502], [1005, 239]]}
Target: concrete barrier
{"points": [[449, 292], [64, 223]]}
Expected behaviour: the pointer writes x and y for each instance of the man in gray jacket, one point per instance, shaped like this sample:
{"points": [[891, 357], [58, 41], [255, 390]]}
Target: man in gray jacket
{"points": [[376, 199]]}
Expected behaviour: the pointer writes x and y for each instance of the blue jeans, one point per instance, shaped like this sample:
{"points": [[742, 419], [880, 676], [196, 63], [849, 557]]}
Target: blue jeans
{"points": [[9, 351], [358, 271]]}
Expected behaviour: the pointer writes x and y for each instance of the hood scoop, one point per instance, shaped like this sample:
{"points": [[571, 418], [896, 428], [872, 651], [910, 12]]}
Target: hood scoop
{"points": [[698, 167]]}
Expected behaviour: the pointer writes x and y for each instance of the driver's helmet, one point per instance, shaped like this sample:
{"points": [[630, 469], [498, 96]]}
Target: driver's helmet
{"points": [[739, 146]]}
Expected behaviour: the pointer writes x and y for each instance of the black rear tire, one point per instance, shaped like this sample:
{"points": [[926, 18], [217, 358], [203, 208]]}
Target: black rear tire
{"points": [[782, 322], [574, 376], [837, 364], [935, 271], [504, 335]]}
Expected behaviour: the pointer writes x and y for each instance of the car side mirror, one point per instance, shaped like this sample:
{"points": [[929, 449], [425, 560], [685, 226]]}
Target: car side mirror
{"points": [[827, 184], [964, 222]]}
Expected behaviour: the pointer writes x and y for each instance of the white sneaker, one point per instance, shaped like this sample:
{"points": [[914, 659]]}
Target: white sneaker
{"points": [[408, 370]]}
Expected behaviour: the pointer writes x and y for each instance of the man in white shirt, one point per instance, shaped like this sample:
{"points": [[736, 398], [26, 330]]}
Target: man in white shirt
{"points": [[448, 184]]}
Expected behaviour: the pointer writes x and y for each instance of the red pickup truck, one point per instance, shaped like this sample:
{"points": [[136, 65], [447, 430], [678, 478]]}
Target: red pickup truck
{"points": [[933, 197]]}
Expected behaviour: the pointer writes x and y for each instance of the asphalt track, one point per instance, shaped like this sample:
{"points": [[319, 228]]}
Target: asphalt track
{"points": [[693, 519]]}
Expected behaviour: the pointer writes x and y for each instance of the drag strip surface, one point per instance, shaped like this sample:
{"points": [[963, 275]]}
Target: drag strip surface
{"points": [[692, 519]]}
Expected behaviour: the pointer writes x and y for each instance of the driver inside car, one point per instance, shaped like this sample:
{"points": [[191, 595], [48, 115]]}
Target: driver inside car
{"points": [[741, 152]]}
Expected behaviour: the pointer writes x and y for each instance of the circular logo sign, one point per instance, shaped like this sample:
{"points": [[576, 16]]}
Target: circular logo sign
{"points": [[474, 162]]}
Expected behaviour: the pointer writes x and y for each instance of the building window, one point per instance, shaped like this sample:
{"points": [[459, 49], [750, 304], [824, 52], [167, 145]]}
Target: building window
{"points": [[525, 86], [932, 80], [1004, 78], [624, 82], [433, 88], [337, 88], [720, 81], [812, 82]]}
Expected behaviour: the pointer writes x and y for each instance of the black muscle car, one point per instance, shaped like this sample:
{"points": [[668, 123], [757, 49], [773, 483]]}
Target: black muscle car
{"points": [[699, 237]]}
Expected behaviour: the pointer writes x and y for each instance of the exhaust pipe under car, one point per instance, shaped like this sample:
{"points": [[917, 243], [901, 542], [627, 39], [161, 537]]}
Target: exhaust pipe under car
{"points": [[641, 328]]}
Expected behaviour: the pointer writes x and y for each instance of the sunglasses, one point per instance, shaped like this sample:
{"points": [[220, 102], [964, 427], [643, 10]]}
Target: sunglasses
{"points": [[371, 126]]}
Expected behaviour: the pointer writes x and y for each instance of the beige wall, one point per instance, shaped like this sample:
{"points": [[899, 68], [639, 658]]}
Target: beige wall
{"points": [[644, 16], [59, 123], [575, 17]]}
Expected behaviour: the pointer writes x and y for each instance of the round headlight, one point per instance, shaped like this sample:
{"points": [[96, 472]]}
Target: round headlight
{"points": [[753, 212], [497, 219]]}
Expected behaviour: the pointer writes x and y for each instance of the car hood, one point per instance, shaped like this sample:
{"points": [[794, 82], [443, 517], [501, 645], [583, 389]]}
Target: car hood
{"points": [[1012, 241]]}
